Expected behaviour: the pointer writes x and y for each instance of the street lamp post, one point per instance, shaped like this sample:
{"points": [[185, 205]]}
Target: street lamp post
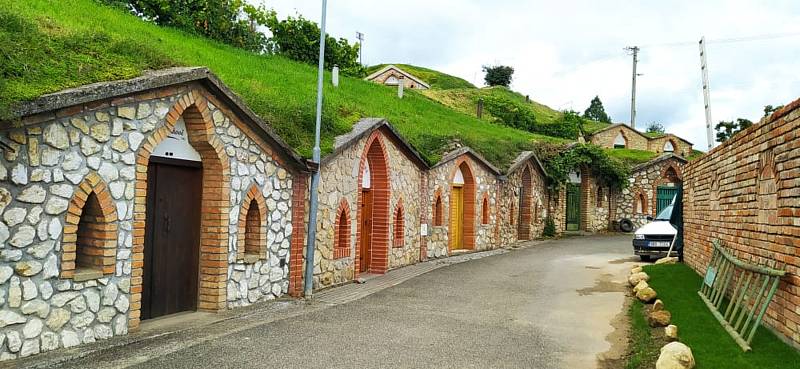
{"points": [[312, 216]]}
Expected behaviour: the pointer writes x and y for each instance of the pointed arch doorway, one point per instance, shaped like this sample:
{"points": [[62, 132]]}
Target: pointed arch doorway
{"points": [[372, 251], [462, 209]]}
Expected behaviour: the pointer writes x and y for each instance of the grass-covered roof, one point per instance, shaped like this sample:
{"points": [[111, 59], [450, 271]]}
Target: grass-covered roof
{"points": [[53, 45]]}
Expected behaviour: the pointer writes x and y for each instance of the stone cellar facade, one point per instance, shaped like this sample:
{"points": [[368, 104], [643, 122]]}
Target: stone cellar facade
{"points": [[86, 210], [639, 200]]}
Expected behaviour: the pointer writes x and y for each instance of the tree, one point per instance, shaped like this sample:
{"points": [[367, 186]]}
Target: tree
{"points": [[498, 75], [232, 22], [769, 109], [298, 39], [727, 129], [595, 111], [655, 127]]}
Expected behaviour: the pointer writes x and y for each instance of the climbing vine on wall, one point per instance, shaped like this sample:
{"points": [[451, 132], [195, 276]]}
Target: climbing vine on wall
{"points": [[560, 161]]}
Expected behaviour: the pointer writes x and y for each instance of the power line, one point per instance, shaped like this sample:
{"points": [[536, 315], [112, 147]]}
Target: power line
{"points": [[728, 40]]}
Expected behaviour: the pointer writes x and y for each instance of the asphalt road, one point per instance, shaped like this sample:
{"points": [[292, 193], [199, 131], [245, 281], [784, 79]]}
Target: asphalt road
{"points": [[554, 305]]}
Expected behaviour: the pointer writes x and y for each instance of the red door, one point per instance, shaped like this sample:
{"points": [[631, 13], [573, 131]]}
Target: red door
{"points": [[172, 237]]}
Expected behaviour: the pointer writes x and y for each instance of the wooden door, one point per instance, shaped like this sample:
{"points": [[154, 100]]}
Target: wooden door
{"points": [[364, 255], [457, 218], [172, 237], [573, 207], [664, 196]]}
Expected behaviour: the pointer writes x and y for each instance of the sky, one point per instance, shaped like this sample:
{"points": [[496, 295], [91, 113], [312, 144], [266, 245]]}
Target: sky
{"points": [[566, 52]]}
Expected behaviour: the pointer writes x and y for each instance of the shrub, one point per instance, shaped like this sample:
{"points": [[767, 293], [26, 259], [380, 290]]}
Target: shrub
{"points": [[549, 227]]}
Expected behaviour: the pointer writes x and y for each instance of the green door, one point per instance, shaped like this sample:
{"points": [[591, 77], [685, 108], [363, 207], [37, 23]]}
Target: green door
{"points": [[664, 197], [573, 207]]}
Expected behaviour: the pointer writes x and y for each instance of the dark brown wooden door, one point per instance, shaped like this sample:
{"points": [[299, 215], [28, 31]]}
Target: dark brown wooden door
{"points": [[172, 237], [364, 256]]}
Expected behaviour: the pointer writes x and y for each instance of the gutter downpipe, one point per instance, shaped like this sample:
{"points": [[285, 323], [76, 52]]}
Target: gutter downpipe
{"points": [[313, 201]]}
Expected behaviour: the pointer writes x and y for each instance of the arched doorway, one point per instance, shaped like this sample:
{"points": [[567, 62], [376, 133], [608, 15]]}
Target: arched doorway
{"points": [[173, 224], [524, 225], [666, 188], [462, 208], [372, 251]]}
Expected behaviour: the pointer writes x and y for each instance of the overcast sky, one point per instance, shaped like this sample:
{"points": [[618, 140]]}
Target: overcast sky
{"points": [[565, 52]]}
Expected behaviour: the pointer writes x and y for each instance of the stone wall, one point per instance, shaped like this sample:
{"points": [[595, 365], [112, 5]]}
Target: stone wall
{"points": [[486, 184], [340, 183], [634, 139], [511, 190], [100, 146], [746, 193], [407, 82], [643, 187]]}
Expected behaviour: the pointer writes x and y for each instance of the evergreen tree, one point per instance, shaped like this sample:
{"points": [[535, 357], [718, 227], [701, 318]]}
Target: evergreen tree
{"points": [[728, 129], [595, 111]]}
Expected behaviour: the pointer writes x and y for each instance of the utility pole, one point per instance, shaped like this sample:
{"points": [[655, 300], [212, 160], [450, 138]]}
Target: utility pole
{"points": [[706, 93], [360, 37], [312, 212], [635, 52]]}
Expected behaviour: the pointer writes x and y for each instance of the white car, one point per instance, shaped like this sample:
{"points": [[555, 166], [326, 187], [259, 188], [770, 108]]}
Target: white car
{"points": [[655, 238]]}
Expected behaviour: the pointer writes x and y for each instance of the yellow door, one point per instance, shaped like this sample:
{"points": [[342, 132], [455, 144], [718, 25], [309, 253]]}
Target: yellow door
{"points": [[456, 218]]}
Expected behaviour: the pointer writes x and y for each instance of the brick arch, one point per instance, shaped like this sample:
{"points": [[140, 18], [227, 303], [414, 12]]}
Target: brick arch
{"points": [[675, 147], [193, 107], [341, 231], [438, 208], [639, 197], [251, 243], [524, 226], [375, 154], [89, 241], [398, 225], [624, 137], [468, 228], [670, 173]]}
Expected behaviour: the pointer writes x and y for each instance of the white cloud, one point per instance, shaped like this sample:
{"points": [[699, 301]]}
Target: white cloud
{"points": [[566, 52]]}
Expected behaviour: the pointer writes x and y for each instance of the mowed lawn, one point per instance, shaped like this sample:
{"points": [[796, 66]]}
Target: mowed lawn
{"points": [[52, 45], [711, 345]]}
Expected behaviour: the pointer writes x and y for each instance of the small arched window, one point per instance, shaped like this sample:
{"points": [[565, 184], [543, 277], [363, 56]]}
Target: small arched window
{"points": [[252, 242], [485, 211], [620, 142], [512, 214], [437, 211], [600, 197], [341, 240], [399, 227], [640, 204], [669, 147]]}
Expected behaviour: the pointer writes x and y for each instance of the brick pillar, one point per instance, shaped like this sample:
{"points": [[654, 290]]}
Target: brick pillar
{"points": [[297, 243]]}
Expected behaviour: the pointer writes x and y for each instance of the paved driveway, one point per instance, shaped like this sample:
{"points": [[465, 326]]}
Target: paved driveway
{"points": [[552, 305]]}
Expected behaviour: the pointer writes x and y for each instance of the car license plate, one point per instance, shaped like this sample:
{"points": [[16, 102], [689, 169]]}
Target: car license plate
{"points": [[659, 243]]}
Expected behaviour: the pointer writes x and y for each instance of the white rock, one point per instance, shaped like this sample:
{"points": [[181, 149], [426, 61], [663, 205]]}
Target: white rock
{"points": [[5, 273], [103, 332], [41, 249], [50, 269], [106, 314], [61, 190], [82, 320], [54, 229], [14, 216], [135, 139], [88, 335], [56, 206], [72, 161], [23, 237], [78, 305], [121, 325], [8, 317], [4, 234], [89, 146], [69, 339], [117, 189], [14, 341], [56, 136], [29, 347], [675, 355], [92, 299], [110, 294], [49, 341], [62, 298], [19, 175], [35, 214], [108, 172], [29, 290], [122, 304], [33, 195], [46, 290], [33, 328]]}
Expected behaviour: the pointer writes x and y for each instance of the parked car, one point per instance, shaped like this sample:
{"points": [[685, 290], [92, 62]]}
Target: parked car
{"points": [[656, 237]]}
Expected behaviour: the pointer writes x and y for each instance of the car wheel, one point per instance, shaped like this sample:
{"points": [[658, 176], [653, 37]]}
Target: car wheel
{"points": [[625, 225], [644, 257]]}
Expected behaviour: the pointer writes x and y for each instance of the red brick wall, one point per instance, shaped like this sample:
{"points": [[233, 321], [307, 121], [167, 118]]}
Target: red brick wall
{"points": [[296, 259], [746, 192]]}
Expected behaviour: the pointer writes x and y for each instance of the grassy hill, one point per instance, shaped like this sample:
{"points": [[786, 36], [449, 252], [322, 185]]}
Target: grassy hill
{"points": [[437, 80], [53, 45], [465, 100]]}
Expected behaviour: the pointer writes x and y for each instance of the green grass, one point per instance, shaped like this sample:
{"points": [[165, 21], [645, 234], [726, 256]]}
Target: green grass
{"points": [[465, 100], [653, 134], [592, 126], [632, 157], [644, 347], [711, 345], [60, 44], [437, 80], [696, 154]]}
